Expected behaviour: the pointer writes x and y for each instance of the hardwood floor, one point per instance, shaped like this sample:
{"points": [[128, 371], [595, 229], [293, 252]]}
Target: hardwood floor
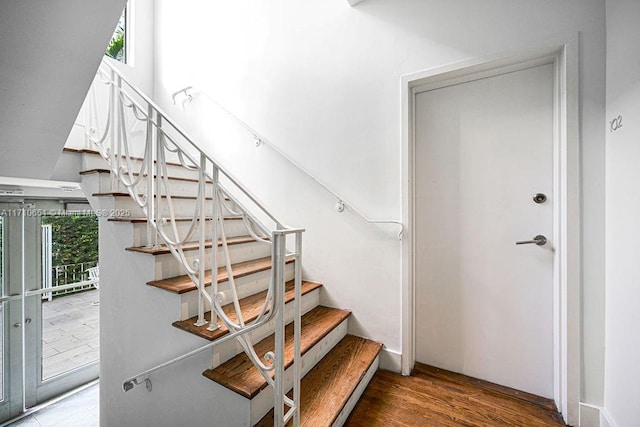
{"points": [[435, 397]]}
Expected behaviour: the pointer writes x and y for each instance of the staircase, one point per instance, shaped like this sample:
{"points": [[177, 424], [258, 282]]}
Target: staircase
{"points": [[283, 358]]}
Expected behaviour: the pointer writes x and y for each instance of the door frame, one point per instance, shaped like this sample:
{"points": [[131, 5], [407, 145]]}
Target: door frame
{"points": [[25, 388], [567, 209]]}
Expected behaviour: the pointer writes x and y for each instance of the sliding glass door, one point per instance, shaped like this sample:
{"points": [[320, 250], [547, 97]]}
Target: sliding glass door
{"points": [[49, 314]]}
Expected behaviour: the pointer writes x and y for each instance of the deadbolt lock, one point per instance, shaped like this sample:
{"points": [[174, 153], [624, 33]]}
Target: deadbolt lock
{"points": [[540, 198]]}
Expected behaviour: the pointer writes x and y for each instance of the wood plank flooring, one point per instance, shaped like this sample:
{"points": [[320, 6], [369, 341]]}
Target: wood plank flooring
{"points": [[435, 397]]}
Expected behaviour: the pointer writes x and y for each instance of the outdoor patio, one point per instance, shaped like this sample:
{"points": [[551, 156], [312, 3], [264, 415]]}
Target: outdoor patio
{"points": [[70, 332]]}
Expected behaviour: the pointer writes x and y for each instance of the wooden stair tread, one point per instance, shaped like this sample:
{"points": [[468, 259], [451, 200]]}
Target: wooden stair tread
{"points": [[240, 375], [96, 152], [250, 306], [325, 390], [144, 219], [182, 284], [189, 246], [164, 196], [80, 150], [173, 178], [92, 171]]}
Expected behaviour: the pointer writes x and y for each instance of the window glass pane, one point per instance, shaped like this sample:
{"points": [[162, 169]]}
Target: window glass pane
{"points": [[70, 317], [117, 46]]}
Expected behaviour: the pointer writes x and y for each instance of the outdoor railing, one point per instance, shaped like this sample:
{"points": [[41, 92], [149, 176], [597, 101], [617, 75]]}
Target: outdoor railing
{"points": [[71, 273], [67, 279], [134, 121]]}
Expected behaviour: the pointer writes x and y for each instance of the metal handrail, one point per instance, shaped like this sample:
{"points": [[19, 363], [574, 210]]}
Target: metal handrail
{"points": [[10, 298], [60, 287], [127, 384], [127, 103], [342, 203], [186, 136]]}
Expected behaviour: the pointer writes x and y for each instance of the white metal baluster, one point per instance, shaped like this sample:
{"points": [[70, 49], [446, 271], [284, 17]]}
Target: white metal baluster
{"points": [[213, 325], [202, 179], [227, 263], [279, 246], [297, 328], [156, 167], [114, 129], [87, 114], [152, 237], [121, 129]]}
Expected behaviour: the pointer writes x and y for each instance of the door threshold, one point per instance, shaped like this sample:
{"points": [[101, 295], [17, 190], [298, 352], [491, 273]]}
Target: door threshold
{"points": [[50, 402]]}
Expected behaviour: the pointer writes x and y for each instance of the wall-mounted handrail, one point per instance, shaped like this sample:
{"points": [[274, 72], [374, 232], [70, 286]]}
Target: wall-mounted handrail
{"points": [[144, 375], [190, 140], [341, 204]]}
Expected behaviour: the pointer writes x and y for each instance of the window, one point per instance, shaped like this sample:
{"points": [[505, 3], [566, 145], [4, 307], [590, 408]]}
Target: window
{"points": [[117, 48]]}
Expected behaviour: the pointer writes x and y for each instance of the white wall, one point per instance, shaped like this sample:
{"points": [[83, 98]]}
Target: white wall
{"points": [[623, 209], [322, 80], [50, 52], [140, 28], [138, 71]]}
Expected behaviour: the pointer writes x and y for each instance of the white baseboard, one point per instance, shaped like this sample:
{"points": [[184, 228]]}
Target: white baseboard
{"points": [[589, 415], [595, 416], [605, 419], [390, 360]]}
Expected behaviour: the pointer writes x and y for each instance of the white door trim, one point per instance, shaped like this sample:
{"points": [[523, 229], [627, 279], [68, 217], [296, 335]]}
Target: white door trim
{"points": [[567, 210]]}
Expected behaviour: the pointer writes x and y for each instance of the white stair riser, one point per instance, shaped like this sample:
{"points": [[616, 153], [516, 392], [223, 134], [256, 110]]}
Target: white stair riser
{"points": [[230, 349], [247, 285], [167, 266], [181, 207], [92, 161], [263, 402], [95, 161], [232, 228], [177, 187], [104, 182], [355, 397]]}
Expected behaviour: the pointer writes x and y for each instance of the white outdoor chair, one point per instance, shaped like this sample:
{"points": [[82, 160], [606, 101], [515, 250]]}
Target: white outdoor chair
{"points": [[94, 275]]}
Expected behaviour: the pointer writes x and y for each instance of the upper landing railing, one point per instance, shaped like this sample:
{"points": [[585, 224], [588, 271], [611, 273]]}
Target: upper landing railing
{"points": [[143, 146], [185, 95]]}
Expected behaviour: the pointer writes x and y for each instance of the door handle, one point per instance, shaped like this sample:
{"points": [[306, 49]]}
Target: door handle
{"points": [[539, 240], [18, 324]]}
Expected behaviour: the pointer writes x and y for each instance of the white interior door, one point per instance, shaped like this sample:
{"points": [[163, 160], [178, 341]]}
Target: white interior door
{"points": [[484, 305]]}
